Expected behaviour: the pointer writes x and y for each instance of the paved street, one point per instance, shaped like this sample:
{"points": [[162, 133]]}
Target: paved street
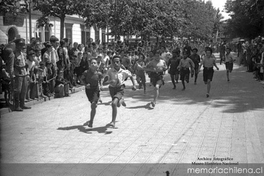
{"points": [[183, 127]]}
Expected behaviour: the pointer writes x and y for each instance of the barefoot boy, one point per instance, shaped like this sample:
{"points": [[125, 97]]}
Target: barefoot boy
{"points": [[115, 77], [91, 79]]}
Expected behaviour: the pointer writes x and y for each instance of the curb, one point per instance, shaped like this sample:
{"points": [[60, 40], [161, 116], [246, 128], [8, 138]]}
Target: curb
{"points": [[42, 100]]}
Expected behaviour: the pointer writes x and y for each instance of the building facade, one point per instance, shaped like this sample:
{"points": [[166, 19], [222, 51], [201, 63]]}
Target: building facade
{"points": [[12, 27]]}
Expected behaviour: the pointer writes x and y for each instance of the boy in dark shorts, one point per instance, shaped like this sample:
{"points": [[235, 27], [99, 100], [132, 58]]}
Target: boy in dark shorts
{"points": [[208, 62], [115, 77], [196, 60], [91, 79], [184, 66], [156, 67], [229, 60]]}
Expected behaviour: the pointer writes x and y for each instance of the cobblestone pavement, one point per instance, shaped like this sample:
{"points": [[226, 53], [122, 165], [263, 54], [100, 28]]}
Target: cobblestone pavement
{"points": [[184, 127]]}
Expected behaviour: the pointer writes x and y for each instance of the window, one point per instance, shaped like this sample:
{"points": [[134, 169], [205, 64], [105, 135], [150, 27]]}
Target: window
{"points": [[85, 34], [68, 27]]}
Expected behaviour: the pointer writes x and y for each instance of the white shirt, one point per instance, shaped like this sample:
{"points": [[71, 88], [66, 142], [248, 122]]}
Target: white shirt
{"points": [[118, 77]]}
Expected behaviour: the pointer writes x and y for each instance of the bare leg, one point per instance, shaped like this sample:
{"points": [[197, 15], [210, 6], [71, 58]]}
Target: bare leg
{"points": [[173, 81], [195, 77], [208, 88], [114, 111], [183, 84], [156, 95], [92, 114], [227, 75]]}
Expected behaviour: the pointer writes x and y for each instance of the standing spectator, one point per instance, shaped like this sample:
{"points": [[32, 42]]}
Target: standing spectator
{"points": [[37, 57], [54, 54], [42, 79], [30, 65], [8, 57], [67, 69], [20, 76], [47, 54]]}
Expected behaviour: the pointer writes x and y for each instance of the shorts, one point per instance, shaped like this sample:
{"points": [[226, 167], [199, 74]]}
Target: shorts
{"points": [[173, 71], [208, 73], [229, 66], [184, 74], [93, 94], [117, 92], [156, 78], [141, 77]]}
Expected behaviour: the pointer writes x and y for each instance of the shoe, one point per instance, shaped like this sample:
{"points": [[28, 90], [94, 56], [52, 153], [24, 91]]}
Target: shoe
{"points": [[111, 124], [123, 103], [207, 95], [18, 109], [152, 105], [174, 87], [26, 107], [90, 124], [228, 80], [183, 89], [195, 83]]}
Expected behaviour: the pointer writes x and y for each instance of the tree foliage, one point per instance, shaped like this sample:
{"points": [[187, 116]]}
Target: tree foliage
{"points": [[166, 18], [59, 8], [247, 18], [153, 17]]}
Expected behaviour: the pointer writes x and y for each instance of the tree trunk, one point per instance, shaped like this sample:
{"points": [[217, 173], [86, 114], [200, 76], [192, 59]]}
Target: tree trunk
{"points": [[62, 20]]}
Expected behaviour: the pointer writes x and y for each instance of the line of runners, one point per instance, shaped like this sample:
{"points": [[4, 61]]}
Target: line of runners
{"points": [[177, 65]]}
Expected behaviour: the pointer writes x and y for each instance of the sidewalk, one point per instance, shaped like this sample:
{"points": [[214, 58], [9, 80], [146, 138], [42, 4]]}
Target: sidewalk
{"points": [[5, 110]]}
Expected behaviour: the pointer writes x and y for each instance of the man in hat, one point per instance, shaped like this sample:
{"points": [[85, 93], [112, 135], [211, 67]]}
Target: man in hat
{"points": [[21, 76]]}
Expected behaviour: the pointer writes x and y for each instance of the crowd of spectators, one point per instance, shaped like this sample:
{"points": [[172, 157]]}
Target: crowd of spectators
{"points": [[53, 68], [251, 55]]}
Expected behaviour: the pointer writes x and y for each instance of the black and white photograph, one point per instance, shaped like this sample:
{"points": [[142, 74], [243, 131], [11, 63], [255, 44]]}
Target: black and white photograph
{"points": [[132, 87]]}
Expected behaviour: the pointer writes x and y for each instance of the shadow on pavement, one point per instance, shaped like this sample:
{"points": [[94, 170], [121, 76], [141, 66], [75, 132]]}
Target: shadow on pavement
{"points": [[241, 94], [102, 129], [147, 106]]}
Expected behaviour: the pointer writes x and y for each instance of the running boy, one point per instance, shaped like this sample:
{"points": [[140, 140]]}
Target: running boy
{"points": [[140, 73], [229, 60], [115, 77], [208, 71], [91, 79], [184, 66], [156, 67], [196, 60]]}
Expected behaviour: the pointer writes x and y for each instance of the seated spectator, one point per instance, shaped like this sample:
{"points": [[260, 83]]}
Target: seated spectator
{"points": [[61, 87]]}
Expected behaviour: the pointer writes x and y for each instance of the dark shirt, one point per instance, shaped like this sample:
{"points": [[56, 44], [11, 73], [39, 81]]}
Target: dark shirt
{"points": [[173, 63], [196, 60], [92, 78], [187, 49]]}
